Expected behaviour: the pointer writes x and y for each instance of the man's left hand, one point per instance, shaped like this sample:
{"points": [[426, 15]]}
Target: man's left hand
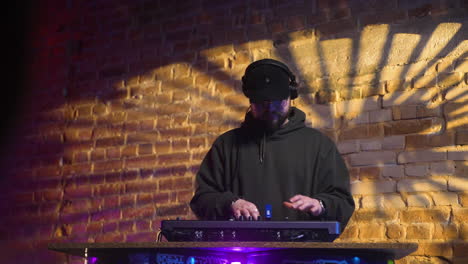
{"points": [[305, 204]]}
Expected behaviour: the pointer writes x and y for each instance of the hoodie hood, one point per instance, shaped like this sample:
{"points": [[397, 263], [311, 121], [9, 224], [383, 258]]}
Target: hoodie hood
{"points": [[251, 129]]}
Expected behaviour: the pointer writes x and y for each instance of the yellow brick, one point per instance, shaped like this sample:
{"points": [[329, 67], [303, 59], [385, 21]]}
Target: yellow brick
{"points": [[434, 249], [424, 81], [374, 215], [242, 58], [374, 201], [464, 231], [445, 198], [202, 81], [372, 231], [419, 200], [457, 184], [163, 73], [181, 70], [351, 232], [397, 85], [435, 215], [180, 96], [463, 199], [445, 231], [419, 231], [444, 66], [218, 51], [422, 260], [460, 215], [445, 80], [357, 202], [457, 94], [395, 231], [461, 65], [422, 96], [393, 201]]}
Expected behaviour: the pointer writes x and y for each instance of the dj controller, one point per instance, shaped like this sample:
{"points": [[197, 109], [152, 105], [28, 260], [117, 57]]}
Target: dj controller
{"points": [[280, 231]]}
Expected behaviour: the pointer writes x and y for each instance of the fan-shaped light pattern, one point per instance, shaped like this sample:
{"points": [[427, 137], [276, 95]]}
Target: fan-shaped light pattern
{"points": [[371, 47]]}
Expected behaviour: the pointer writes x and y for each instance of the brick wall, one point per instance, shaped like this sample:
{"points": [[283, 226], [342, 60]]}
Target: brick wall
{"points": [[125, 98]]}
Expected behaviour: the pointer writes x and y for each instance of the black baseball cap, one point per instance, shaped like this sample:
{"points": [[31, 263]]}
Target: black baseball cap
{"points": [[264, 80]]}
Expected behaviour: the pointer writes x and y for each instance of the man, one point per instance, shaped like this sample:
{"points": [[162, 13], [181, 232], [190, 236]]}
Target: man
{"points": [[273, 160]]}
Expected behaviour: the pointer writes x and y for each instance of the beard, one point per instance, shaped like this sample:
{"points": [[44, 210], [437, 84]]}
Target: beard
{"points": [[271, 122]]}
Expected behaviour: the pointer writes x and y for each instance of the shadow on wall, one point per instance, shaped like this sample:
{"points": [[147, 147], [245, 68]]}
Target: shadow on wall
{"points": [[128, 97]]}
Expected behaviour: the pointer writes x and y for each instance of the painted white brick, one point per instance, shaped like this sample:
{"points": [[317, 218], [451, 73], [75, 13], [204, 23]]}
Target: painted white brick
{"points": [[321, 116], [422, 185], [442, 168], [381, 115], [417, 169], [362, 118], [372, 187], [357, 105], [434, 154], [346, 147], [393, 142], [372, 158], [458, 153], [395, 171], [370, 144]]}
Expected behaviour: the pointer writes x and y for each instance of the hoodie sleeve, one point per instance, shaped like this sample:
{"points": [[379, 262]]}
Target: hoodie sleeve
{"points": [[334, 188], [212, 200]]}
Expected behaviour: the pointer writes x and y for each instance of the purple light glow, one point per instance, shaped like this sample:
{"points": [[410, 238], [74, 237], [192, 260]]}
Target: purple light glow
{"points": [[236, 262], [239, 249], [93, 260]]}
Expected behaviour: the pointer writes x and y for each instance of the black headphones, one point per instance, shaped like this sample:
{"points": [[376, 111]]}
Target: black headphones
{"points": [[292, 78]]}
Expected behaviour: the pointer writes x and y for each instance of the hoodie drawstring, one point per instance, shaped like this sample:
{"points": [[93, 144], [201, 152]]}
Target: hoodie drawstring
{"points": [[262, 148]]}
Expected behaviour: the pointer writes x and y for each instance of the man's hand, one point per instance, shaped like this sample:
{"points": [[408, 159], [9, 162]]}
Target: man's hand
{"points": [[245, 208], [304, 204]]}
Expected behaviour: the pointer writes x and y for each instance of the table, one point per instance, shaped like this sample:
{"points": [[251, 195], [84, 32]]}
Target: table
{"points": [[237, 252]]}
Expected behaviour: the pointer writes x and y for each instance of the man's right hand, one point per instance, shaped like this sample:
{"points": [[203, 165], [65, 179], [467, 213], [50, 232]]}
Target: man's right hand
{"points": [[244, 208]]}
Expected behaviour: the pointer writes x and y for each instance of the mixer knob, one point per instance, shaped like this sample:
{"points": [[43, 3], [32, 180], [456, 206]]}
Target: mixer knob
{"points": [[198, 235], [278, 235]]}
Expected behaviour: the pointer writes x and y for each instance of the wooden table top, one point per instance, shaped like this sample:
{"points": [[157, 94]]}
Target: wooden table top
{"points": [[397, 250]]}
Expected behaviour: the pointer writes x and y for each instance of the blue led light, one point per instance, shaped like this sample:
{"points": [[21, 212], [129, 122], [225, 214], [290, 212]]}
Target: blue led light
{"points": [[356, 260], [191, 260], [268, 213]]}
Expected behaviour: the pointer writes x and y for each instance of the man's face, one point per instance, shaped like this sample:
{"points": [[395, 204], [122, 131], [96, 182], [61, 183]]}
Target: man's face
{"points": [[272, 114]]}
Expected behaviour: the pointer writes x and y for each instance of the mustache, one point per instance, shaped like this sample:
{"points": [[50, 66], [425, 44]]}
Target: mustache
{"points": [[267, 113]]}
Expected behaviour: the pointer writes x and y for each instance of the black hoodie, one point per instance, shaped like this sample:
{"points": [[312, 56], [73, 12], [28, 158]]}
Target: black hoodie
{"points": [[269, 169]]}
